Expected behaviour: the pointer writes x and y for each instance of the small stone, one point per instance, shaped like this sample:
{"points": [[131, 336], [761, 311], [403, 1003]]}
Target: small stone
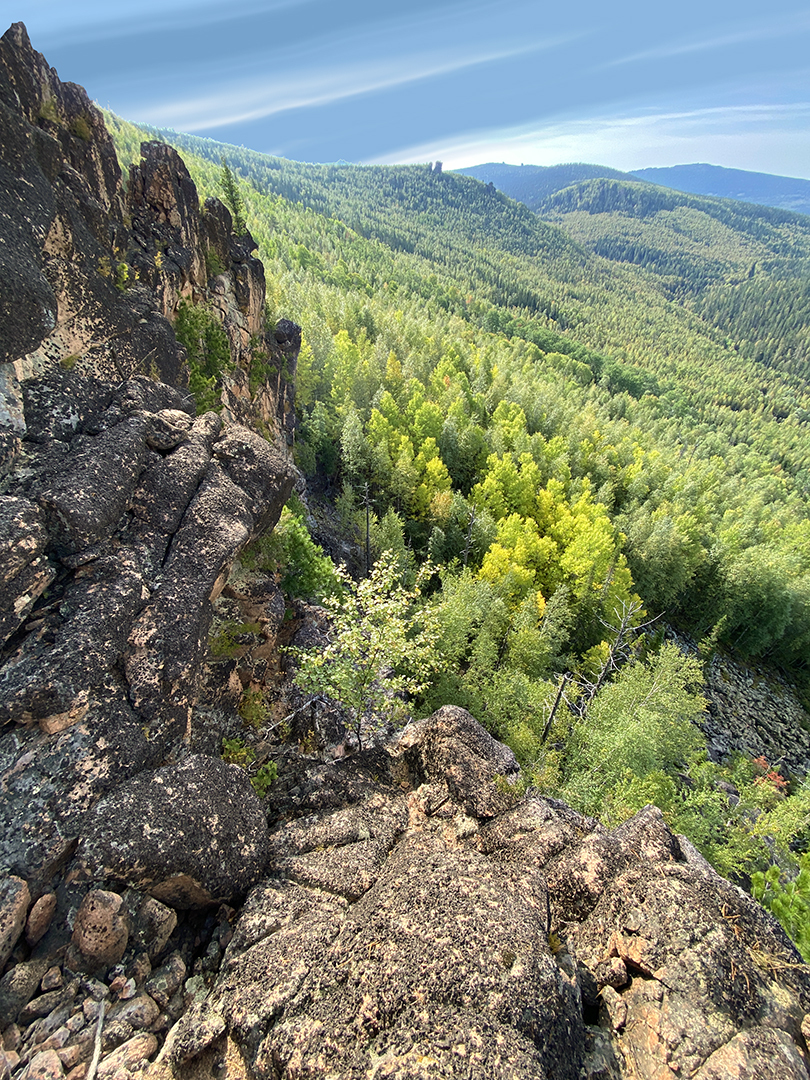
{"points": [[806, 1028], [140, 969], [75, 1023], [124, 988], [154, 925], [91, 1009], [114, 1033], [70, 1056], [11, 1059], [615, 1006], [12, 1037], [49, 1003], [100, 931], [43, 1028], [97, 990], [129, 1056], [58, 1039], [80, 1072], [40, 918], [140, 1012], [195, 989], [164, 982], [14, 902], [45, 1066], [52, 979]]}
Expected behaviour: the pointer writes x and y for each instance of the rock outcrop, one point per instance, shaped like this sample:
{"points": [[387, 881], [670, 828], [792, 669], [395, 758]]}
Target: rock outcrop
{"points": [[450, 929], [121, 510]]}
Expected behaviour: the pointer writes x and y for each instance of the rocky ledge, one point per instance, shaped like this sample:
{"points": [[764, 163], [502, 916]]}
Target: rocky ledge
{"points": [[418, 920]]}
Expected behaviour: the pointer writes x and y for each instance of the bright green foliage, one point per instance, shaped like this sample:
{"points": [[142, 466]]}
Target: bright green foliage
{"points": [[639, 729], [225, 642], [383, 646], [788, 900], [236, 752], [253, 708], [209, 355], [233, 199], [291, 552], [264, 778]]}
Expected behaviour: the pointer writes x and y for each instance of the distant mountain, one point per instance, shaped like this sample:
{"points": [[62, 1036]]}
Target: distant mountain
{"points": [[784, 192], [532, 184]]}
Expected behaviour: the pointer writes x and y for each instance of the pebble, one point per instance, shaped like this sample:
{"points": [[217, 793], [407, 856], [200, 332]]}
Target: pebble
{"points": [[75, 1022], [128, 1056], [70, 1056], [12, 1037], [154, 924], [140, 1011], [80, 1072], [45, 1066], [40, 918], [58, 1039], [114, 1033], [140, 969], [164, 983], [100, 930], [52, 979], [11, 1060]]}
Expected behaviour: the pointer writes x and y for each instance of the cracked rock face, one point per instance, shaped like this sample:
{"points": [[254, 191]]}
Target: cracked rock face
{"points": [[133, 541]]}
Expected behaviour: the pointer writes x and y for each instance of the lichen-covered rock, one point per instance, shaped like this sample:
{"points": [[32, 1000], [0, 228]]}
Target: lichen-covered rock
{"points": [[189, 834], [704, 962], [100, 930], [450, 746], [24, 572], [477, 945], [39, 918], [15, 900]]}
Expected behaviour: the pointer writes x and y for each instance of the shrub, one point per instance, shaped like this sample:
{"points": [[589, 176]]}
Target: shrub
{"points": [[383, 647]]}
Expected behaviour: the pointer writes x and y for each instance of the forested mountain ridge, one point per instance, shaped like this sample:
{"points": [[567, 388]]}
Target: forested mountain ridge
{"points": [[532, 184], [743, 268], [784, 192]]}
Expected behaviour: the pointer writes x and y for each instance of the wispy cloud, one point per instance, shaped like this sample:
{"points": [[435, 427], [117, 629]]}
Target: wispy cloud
{"points": [[98, 20], [769, 29], [376, 57], [265, 97]]}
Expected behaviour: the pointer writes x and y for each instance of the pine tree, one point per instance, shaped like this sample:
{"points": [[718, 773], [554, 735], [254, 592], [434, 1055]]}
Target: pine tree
{"points": [[233, 199]]}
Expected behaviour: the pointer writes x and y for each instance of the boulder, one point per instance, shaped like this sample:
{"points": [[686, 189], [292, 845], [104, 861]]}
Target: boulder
{"points": [[190, 835], [451, 746], [527, 942], [24, 572]]}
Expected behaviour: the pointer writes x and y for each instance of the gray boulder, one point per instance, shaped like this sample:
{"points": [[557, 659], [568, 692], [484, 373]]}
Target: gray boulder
{"points": [[189, 835]]}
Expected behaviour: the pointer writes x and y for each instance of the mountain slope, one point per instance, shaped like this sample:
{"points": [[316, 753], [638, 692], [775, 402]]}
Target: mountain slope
{"points": [[531, 184], [452, 339], [745, 269], [784, 192]]}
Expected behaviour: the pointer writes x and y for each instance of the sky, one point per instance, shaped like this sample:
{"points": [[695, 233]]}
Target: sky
{"points": [[625, 84]]}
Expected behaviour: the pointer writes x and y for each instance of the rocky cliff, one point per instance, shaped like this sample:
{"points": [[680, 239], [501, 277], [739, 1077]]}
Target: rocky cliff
{"points": [[122, 511], [399, 913]]}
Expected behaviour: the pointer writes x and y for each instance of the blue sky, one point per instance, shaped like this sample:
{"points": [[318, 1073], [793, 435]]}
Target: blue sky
{"points": [[625, 84]]}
